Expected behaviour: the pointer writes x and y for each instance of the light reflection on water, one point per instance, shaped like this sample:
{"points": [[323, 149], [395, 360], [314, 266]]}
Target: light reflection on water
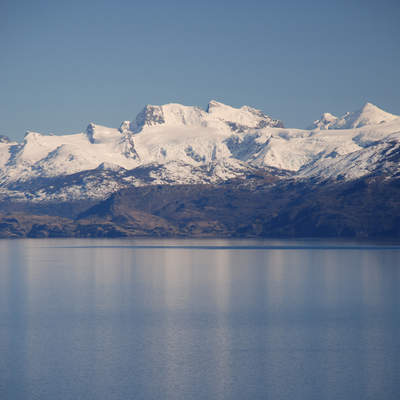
{"points": [[168, 319]]}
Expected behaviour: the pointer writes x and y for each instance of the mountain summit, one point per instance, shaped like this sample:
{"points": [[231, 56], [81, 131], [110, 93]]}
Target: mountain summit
{"points": [[369, 114], [245, 116], [216, 112]]}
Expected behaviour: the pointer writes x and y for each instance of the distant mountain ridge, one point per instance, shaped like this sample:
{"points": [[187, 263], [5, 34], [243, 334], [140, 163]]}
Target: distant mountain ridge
{"points": [[175, 144]]}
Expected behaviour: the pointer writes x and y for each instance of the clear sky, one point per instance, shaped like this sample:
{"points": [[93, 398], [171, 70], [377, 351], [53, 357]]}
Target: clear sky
{"points": [[64, 64]]}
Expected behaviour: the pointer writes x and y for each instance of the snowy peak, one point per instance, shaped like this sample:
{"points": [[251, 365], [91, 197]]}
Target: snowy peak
{"points": [[325, 122], [169, 114], [236, 119], [240, 118], [31, 137], [149, 116], [368, 115], [216, 107]]}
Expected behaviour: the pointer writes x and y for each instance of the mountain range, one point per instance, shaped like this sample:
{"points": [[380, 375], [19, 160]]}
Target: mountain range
{"points": [[221, 151]]}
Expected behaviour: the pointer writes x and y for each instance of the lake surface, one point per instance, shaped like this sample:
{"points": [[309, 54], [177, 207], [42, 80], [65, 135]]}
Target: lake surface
{"points": [[199, 319]]}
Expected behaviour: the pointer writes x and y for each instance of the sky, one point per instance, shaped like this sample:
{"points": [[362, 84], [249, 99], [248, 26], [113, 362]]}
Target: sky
{"points": [[65, 64]]}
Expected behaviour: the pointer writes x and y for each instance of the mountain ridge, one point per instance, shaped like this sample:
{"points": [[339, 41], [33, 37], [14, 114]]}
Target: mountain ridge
{"points": [[177, 144], [368, 114]]}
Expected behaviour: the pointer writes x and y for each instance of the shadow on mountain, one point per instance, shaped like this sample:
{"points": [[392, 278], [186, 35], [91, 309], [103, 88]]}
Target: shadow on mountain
{"points": [[364, 208]]}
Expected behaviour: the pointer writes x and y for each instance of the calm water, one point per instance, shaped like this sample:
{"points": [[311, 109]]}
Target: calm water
{"points": [[164, 319]]}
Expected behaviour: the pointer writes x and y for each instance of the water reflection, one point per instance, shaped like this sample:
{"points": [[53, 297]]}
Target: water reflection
{"points": [[13, 321], [134, 319]]}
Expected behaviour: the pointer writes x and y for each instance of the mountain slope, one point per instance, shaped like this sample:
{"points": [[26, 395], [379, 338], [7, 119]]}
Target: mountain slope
{"points": [[367, 208]]}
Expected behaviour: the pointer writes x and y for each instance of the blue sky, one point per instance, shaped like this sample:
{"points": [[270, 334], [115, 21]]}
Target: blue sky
{"points": [[65, 64]]}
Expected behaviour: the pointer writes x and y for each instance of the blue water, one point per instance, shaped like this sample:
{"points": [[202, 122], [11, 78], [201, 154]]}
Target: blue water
{"points": [[207, 319]]}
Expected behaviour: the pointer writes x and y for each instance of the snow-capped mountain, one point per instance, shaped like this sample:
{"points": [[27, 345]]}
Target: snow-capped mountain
{"points": [[369, 114], [178, 144]]}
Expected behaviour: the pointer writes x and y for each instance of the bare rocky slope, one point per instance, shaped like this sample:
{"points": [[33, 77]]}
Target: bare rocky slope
{"points": [[366, 208]]}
